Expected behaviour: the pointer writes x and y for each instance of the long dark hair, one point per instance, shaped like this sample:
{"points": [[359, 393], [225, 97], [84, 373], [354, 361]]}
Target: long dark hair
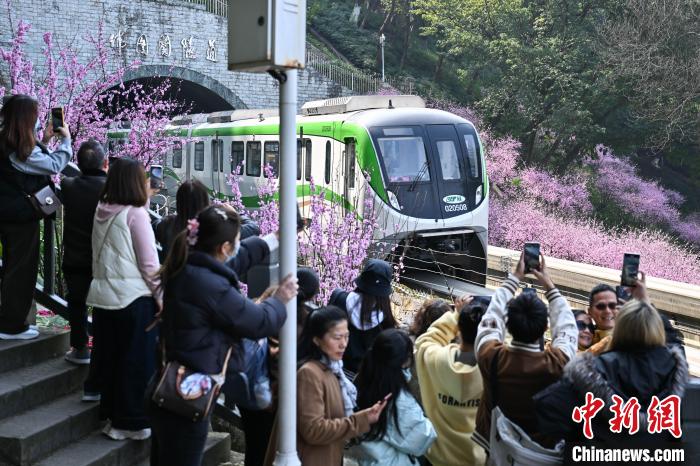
{"points": [[19, 115], [126, 183], [380, 374], [216, 226], [371, 304], [191, 198], [317, 324]]}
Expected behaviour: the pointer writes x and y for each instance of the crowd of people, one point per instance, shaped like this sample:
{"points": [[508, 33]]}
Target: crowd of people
{"points": [[437, 394]]}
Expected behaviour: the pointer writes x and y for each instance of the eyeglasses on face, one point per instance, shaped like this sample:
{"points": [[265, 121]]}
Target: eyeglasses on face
{"points": [[582, 326], [611, 305]]}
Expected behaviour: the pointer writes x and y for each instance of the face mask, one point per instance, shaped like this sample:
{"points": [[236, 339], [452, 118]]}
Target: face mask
{"points": [[407, 374], [236, 248]]}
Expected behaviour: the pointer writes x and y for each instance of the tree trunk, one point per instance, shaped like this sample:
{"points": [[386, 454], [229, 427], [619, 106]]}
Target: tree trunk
{"points": [[406, 40], [438, 67]]}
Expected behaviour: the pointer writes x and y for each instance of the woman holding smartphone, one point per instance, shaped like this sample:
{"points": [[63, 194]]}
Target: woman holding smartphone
{"points": [[26, 166], [326, 399]]}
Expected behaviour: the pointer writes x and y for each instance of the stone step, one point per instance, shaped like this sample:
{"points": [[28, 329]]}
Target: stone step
{"points": [[28, 387], [16, 354], [28, 436], [217, 450], [98, 450]]}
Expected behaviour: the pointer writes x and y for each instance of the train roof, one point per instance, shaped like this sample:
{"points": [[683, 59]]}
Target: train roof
{"points": [[367, 111]]}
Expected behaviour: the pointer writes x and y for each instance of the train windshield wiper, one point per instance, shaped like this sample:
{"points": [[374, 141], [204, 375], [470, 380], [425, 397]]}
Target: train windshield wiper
{"points": [[420, 174]]}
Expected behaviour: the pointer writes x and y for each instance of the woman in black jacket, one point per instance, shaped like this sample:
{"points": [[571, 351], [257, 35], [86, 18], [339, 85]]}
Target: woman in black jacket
{"points": [[204, 314], [25, 168], [645, 359]]}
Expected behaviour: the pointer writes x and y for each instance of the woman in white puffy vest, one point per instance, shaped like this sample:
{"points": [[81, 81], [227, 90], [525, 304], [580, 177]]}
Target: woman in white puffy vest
{"points": [[124, 295]]}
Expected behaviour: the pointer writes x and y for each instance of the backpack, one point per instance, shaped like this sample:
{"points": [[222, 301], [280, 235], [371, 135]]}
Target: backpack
{"points": [[509, 444], [247, 378]]}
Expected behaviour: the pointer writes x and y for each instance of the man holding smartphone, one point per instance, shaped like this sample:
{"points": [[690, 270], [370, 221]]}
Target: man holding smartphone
{"points": [[80, 196]]}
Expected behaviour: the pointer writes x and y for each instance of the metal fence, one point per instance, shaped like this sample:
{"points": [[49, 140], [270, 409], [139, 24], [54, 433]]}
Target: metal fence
{"points": [[348, 76], [218, 7]]}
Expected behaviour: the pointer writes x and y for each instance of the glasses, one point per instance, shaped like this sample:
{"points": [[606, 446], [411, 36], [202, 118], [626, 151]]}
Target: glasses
{"points": [[582, 326], [601, 306]]}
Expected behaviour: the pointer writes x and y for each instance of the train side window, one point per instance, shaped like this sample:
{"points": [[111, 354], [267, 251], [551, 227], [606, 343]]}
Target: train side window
{"points": [[307, 160], [472, 157], [177, 155], [272, 157], [298, 159], [449, 160], [252, 163], [199, 156], [237, 156], [327, 171]]}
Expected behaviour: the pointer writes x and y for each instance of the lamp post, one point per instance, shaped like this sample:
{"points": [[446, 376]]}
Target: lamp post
{"points": [[382, 39]]}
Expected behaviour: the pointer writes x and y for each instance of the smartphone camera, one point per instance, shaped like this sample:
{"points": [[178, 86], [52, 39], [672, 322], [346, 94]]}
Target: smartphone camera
{"points": [[532, 257], [630, 269], [156, 176], [57, 118]]}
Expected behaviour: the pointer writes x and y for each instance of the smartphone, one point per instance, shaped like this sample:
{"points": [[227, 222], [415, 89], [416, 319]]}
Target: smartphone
{"points": [[57, 118], [532, 257], [156, 176], [622, 294], [630, 269]]}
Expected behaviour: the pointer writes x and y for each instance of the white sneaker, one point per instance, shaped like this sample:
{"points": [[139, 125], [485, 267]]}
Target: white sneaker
{"points": [[26, 335], [78, 356], [122, 434]]}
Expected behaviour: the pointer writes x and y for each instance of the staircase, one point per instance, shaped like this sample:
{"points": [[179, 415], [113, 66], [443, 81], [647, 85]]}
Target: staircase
{"points": [[43, 422]]}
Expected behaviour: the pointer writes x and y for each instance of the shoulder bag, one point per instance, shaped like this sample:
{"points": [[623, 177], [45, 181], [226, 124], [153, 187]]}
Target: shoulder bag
{"points": [[187, 393]]}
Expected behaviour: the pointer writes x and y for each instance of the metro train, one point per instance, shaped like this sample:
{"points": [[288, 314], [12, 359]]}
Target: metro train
{"points": [[425, 169]]}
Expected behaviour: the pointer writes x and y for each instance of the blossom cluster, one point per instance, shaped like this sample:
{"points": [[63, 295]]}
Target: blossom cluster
{"points": [[641, 199]]}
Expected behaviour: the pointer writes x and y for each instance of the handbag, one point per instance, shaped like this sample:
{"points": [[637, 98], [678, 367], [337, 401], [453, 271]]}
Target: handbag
{"points": [[188, 393], [45, 201], [509, 444]]}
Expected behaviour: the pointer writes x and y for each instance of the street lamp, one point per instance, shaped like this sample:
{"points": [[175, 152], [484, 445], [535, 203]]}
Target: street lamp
{"points": [[382, 39]]}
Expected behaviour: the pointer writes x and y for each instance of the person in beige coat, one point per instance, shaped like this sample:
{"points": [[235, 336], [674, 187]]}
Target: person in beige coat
{"points": [[326, 399]]}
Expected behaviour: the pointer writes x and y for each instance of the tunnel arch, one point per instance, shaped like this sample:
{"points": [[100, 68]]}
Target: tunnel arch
{"points": [[205, 93]]}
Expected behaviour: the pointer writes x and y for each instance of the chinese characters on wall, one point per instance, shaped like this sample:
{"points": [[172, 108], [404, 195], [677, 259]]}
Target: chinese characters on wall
{"points": [[190, 46]]}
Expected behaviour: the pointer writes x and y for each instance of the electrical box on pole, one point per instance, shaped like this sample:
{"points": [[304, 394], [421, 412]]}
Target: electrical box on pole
{"points": [[266, 35]]}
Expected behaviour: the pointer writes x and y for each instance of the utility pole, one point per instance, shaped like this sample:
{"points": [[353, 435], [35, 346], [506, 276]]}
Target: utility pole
{"points": [[382, 39]]}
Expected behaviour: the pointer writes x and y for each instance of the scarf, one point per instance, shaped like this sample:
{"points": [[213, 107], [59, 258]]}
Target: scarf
{"points": [[347, 389]]}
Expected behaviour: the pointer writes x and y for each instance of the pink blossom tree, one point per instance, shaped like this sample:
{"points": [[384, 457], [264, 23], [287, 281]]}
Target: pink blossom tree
{"points": [[86, 88]]}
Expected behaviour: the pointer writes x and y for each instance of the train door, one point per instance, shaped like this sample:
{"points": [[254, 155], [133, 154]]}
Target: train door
{"points": [[217, 164], [447, 154]]}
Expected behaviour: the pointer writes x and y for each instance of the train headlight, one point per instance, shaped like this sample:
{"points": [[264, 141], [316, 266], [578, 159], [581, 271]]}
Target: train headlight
{"points": [[479, 194], [393, 200]]}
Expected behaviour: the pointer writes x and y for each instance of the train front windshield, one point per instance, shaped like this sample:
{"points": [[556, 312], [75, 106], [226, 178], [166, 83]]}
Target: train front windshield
{"points": [[404, 155]]}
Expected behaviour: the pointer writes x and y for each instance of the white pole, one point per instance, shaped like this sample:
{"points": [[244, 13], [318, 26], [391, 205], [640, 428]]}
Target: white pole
{"points": [[287, 413], [381, 41]]}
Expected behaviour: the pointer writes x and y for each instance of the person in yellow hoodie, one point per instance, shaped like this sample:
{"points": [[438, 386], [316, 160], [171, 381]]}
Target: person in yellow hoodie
{"points": [[450, 383]]}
